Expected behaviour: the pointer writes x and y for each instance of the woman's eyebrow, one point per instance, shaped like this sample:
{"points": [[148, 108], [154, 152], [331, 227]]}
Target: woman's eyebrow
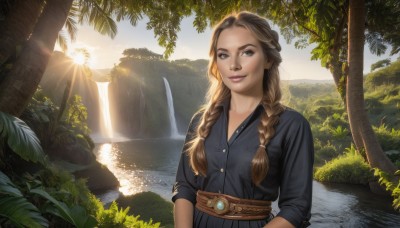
{"points": [[240, 48]]}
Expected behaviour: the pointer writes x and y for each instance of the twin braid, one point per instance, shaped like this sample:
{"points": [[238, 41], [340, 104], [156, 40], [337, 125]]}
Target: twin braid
{"points": [[197, 154], [266, 130]]}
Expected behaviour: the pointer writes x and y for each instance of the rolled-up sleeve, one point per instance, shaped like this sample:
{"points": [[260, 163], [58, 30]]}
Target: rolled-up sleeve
{"points": [[296, 173], [185, 185]]}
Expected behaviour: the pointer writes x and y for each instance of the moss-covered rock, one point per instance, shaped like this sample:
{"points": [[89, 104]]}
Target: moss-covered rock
{"points": [[149, 205], [99, 177]]}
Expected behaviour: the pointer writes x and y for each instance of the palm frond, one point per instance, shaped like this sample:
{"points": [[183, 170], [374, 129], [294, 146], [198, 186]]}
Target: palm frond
{"points": [[96, 16], [62, 41], [21, 139], [376, 43], [71, 23]]}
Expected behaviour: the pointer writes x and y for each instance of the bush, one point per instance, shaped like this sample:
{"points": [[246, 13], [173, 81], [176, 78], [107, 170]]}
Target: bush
{"points": [[324, 152], [389, 139], [348, 168]]}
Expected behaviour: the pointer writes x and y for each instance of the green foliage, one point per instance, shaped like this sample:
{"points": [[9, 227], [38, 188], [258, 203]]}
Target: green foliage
{"points": [[391, 185], [116, 218], [348, 168], [324, 151], [389, 139], [76, 215], [149, 206], [19, 211], [62, 139], [50, 196], [380, 63], [322, 106], [389, 75], [20, 138], [140, 53], [340, 132], [77, 115]]}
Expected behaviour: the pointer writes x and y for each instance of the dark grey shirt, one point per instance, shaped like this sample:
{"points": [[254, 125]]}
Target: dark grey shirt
{"points": [[291, 157]]}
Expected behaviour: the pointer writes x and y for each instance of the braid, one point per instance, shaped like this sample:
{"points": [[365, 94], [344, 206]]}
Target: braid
{"points": [[266, 130], [269, 118], [196, 151]]}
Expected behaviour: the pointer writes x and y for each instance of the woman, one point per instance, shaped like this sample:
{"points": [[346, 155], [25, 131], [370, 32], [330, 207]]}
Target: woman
{"points": [[244, 147]]}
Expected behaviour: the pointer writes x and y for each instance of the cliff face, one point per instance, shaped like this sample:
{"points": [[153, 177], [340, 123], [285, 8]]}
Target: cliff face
{"points": [[137, 93]]}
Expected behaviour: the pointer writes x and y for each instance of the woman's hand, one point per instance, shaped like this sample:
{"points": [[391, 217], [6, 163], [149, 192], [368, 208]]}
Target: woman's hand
{"points": [[279, 222]]}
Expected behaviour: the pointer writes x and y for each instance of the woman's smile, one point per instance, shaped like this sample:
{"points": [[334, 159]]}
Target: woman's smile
{"points": [[237, 78]]}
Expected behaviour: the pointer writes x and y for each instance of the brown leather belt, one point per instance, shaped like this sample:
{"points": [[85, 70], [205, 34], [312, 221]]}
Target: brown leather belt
{"points": [[229, 207]]}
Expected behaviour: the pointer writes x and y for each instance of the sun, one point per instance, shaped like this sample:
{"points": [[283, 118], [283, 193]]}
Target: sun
{"points": [[81, 56]]}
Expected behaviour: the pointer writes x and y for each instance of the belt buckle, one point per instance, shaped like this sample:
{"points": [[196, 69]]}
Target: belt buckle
{"points": [[219, 204]]}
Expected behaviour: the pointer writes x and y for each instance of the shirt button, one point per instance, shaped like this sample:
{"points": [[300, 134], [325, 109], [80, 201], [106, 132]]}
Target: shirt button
{"points": [[237, 131], [224, 150], [222, 170]]}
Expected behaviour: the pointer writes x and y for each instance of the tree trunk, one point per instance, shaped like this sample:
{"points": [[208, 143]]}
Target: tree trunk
{"points": [[358, 118], [18, 25], [19, 86]]}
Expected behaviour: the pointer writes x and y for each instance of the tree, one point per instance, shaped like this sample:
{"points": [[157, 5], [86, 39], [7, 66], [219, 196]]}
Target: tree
{"points": [[358, 118], [380, 63], [141, 53], [326, 24], [38, 25]]}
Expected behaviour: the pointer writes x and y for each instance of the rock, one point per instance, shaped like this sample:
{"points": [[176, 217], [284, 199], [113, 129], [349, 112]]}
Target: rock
{"points": [[74, 149], [99, 178], [376, 188]]}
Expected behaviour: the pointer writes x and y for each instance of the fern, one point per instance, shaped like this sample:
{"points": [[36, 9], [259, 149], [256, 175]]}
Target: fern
{"points": [[385, 179]]}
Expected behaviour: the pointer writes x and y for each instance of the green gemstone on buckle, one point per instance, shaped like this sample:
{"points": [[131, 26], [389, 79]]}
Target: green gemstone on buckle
{"points": [[220, 205]]}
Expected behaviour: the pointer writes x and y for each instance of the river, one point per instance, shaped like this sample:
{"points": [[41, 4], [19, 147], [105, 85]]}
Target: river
{"points": [[150, 165]]}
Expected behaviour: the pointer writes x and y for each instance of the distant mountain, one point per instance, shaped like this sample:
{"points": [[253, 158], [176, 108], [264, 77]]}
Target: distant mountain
{"points": [[308, 81]]}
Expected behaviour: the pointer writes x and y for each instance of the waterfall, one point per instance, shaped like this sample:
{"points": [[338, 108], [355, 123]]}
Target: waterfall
{"points": [[171, 112], [105, 124]]}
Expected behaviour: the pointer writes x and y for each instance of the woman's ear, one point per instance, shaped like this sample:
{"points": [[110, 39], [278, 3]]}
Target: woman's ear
{"points": [[267, 64]]}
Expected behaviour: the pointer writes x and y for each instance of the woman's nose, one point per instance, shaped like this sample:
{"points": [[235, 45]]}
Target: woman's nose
{"points": [[235, 64]]}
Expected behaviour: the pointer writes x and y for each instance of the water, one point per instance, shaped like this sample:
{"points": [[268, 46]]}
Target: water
{"points": [[105, 126], [150, 165], [171, 111]]}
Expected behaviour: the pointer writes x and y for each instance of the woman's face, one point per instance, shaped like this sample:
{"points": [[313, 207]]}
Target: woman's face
{"points": [[241, 61]]}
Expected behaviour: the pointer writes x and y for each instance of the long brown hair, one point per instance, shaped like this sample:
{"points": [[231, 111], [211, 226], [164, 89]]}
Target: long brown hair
{"points": [[218, 92]]}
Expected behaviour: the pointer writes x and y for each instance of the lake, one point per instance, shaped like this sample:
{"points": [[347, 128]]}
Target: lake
{"points": [[150, 165]]}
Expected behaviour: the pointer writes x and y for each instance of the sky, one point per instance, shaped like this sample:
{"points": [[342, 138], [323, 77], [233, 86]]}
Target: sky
{"points": [[106, 52]]}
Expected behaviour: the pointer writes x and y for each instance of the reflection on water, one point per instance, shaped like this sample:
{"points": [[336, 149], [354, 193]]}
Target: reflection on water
{"points": [[142, 165], [130, 181], [342, 205], [150, 165]]}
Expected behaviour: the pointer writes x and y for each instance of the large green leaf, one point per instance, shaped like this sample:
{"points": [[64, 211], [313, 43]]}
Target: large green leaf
{"points": [[62, 207], [21, 212], [20, 138], [16, 208], [7, 186], [75, 215]]}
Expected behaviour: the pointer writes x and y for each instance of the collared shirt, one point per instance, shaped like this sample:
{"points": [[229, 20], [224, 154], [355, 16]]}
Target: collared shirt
{"points": [[291, 157]]}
